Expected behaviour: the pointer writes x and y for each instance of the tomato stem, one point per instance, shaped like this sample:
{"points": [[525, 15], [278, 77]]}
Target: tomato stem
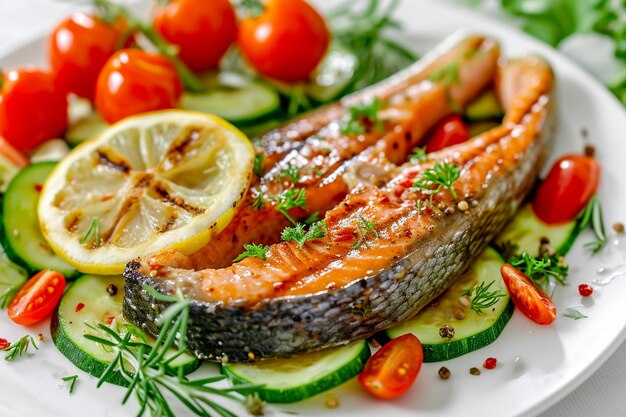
{"points": [[188, 78], [250, 8], [1, 78]]}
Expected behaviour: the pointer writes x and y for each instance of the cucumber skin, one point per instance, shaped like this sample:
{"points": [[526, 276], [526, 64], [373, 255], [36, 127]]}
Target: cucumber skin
{"points": [[11, 253], [292, 395], [454, 349]]}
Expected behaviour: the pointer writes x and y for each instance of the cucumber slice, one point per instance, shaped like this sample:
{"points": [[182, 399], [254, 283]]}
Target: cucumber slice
{"points": [[12, 277], [261, 128], [21, 236], [69, 326], [472, 332], [485, 107], [85, 128], [526, 231], [334, 75], [233, 97], [300, 377]]}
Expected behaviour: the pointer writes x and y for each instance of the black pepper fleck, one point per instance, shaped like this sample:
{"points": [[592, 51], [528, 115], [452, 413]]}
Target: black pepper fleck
{"points": [[112, 290]]}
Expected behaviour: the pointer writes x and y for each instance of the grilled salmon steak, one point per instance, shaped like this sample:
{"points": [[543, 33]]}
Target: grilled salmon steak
{"points": [[394, 239]]}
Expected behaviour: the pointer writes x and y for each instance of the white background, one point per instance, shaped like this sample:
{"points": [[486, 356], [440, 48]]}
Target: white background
{"points": [[603, 395]]}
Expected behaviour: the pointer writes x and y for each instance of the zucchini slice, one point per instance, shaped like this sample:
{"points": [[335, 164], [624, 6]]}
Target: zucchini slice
{"points": [[526, 231], [12, 277], [300, 377], [471, 332], [21, 236], [234, 98], [88, 302]]}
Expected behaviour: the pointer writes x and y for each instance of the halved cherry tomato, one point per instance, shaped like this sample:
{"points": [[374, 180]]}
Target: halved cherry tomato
{"points": [[569, 186], [450, 131], [78, 49], [285, 42], [393, 369], [203, 30], [527, 297], [134, 81], [32, 108], [38, 298]]}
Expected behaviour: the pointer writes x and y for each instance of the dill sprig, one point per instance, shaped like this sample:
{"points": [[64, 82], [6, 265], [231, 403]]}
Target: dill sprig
{"points": [[253, 250], [480, 296], [592, 216], [148, 370], [364, 31], [71, 380], [442, 175], [361, 116], [366, 228], [91, 237], [20, 347], [295, 197], [317, 230], [539, 269], [418, 154]]}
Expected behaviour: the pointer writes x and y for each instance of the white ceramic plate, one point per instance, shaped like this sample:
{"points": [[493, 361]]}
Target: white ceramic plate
{"points": [[537, 366]]}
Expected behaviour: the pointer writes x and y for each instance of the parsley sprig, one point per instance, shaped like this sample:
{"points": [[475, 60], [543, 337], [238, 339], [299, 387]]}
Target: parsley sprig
{"points": [[257, 165], [148, 370], [442, 175], [253, 250], [540, 269], [19, 348], [418, 154], [481, 298], [366, 228], [294, 197], [361, 116], [297, 233], [292, 172]]}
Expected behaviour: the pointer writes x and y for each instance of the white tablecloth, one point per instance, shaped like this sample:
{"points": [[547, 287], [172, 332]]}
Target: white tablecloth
{"points": [[602, 395]]}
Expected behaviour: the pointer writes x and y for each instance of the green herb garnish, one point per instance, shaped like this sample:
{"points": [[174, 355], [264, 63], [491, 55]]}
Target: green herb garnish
{"points": [[447, 75], [312, 218], [574, 314], [481, 297], [541, 268], [366, 228], [292, 172], [361, 116], [259, 201], [148, 370], [253, 250], [257, 166], [71, 381], [316, 231], [418, 154], [91, 238], [442, 175], [295, 197], [592, 216], [20, 347]]}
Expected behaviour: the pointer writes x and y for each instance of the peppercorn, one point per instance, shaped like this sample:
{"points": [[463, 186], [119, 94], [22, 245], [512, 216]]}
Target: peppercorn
{"points": [[458, 313], [474, 371], [332, 402], [618, 227], [590, 150], [446, 331], [112, 290], [585, 290], [444, 373]]}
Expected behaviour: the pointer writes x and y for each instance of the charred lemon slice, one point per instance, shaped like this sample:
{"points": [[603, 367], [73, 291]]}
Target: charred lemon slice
{"points": [[163, 180]]}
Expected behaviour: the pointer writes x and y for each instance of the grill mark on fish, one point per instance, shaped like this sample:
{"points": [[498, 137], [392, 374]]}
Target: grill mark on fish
{"points": [[396, 274]]}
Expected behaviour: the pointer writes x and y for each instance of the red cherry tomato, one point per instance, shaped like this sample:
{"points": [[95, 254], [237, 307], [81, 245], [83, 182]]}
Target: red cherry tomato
{"points": [[203, 30], [527, 297], [285, 42], [32, 108], [450, 131], [569, 186], [134, 81], [393, 369], [78, 49], [38, 298]]}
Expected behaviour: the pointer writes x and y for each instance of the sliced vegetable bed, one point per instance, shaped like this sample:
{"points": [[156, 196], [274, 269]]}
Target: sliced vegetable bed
{"points": [[22, 238], [300, 377], [90, 300], [471, 332]]}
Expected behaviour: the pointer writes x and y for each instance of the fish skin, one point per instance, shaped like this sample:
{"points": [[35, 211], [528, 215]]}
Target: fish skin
{"points": [[500, 168]]}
